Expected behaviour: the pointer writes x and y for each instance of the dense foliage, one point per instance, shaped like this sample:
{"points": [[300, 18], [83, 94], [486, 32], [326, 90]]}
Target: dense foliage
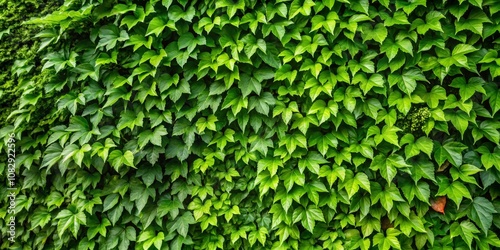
{"points": [[245, 124], [20, 65]]}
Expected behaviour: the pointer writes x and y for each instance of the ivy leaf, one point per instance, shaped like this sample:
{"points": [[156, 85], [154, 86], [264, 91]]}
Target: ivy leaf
{"points": [[152, 136], [378, 33], [332, 174], [40, 218], [493, 94], [389, 134], [261, 145], [438, 204], [156, 26], [408, 81], [260, 235], [133, 20], [490, 159], [387, 241], [352, 184], [117, 159], [312, 214], [459, 9], [455, 190], [109, 35], [413, 222], [72, 219], [130, 119], [262, 103], [420, 190], [312, 162], [270, 164], [467, 90], [459, 119], [388, 165], [451, 151], [110, 201], [423, 168], [481, 213], [270, 57], [249, 84], [292, 177], [386, 196], [52, 155], [489, 129], [122, 9], [466, 230], [182, 223], [95, 226], [465, 173], [474, 22]]}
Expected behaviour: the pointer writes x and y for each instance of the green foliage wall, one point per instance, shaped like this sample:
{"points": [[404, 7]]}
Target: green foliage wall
{"points": [[262, 124], [20, 65]]}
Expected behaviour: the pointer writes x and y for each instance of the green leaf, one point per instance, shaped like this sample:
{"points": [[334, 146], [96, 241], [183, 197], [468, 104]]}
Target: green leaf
{"points": [[459, 119], [130, 119], [120, 9], [109, 35], [489, 129], [270, 57], [490, 159], [270, 164], [117, 159], [249, 84], [465, 173], [260, 235], [153, 137], [451, 151], [156, 26], [388, 166], [408, 81], [312, 162], [70, 218], [40, 218], [133, 20], [414, 222], [352, 184], [379, 33], [481, 213], [494, 99], [115, 214], [467, 90], [413, 189], [474, 22], [386, 196], [332, 174], [110, 201], [312, 214], [182, 223], [458, 10], [423, 168], [389, 134], [456, 190], [385, 242], [466, 230]]}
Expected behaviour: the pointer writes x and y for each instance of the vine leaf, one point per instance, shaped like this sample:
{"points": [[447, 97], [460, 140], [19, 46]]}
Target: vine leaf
{"points": [[439, 204], [481, 213]]}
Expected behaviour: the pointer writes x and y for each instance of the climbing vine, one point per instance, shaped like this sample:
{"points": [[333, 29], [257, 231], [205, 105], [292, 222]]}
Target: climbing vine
{"points": [[348, 124]]}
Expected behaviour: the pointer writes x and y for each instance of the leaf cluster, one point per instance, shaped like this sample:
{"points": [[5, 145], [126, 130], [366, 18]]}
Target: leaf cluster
{"points": [[247, 124]]}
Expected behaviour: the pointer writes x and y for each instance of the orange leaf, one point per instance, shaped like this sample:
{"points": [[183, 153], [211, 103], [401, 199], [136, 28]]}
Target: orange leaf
{"points": [[438, 204]]}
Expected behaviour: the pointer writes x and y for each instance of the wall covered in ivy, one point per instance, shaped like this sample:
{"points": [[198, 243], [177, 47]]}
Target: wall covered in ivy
{"points": [[245, 124]]}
